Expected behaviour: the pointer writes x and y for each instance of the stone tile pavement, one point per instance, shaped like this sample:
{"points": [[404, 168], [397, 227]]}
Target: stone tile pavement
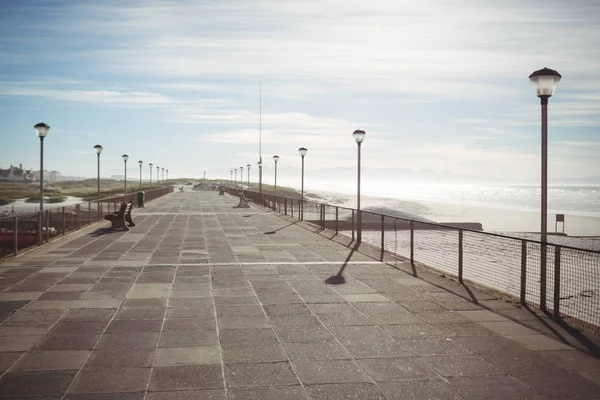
{"points": [[202, 300]]}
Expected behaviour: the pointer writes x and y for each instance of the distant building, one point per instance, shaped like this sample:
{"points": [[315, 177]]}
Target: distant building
{"points": [[14, 174], [54, 176], [46, 175]]}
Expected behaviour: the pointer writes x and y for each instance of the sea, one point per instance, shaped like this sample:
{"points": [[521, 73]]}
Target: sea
{"points": [[499, 208]]}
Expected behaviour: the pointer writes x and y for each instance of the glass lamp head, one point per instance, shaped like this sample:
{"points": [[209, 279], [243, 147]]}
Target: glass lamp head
{"points": [[125, 157], [359, 135], [302, 151], [41, 129], [98, 149], [544, 82]]}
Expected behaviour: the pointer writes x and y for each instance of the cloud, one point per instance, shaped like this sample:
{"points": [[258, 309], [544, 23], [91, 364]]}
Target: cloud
{"points": [[108, 97]]}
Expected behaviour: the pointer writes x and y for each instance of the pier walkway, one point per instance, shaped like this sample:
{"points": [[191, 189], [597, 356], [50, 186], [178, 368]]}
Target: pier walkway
{"points": [[202, 300]]}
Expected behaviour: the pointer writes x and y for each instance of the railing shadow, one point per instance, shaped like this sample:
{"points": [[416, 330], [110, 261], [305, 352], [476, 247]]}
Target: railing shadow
{"points": [[278, 229]]}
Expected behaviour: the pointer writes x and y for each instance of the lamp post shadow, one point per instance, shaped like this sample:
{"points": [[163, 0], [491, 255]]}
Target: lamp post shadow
{"points": [[339, 279]]}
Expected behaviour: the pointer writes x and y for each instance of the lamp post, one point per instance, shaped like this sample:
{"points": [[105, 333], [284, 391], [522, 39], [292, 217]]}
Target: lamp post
{"points": [[231, 178], [98, 149], [544, 82], [150, 165], [167, 175], [242, 177], [259, 177], [248, 168], [162, 179], [275, 158], [41, 131], [157, 174], [125, 158], [359, 136], [302, 151], [235, 173], [140, 163]]}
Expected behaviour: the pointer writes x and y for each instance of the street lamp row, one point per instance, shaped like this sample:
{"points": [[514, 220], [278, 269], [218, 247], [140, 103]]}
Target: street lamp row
{"points": [[125, 158]]}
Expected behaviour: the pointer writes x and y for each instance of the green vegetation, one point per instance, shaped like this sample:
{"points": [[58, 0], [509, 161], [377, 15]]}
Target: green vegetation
{"points": [[58, 191], [49, 199]]}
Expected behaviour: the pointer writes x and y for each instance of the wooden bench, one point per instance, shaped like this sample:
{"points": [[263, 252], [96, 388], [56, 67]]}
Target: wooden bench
{"points": [[122, 218]]}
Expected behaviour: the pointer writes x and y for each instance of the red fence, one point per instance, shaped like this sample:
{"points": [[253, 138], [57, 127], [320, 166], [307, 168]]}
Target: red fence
{"points": [[23, 231]]}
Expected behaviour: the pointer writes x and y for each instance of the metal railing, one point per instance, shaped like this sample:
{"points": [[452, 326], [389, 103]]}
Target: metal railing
{"points": [[567, 287], [22, 231]]}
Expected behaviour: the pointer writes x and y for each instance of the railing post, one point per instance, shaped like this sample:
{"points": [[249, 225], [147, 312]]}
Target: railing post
{"points": [[40, 224], [47, 226], [382, 233], [336, 219], [353, 225], [16, 235], [557, 282], [412, 243], [64, 222], [89, 213], [292, 208], [460, 255], [543, 276], [78, 215], [523, 270], [285, 205]]}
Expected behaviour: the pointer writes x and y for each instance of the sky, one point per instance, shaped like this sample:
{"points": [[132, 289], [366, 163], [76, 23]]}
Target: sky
{"points": [[437, 85]]}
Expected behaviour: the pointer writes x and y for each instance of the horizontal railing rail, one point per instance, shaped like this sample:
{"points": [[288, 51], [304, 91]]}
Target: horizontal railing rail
{"points": [[566, 285], [22, 231]]}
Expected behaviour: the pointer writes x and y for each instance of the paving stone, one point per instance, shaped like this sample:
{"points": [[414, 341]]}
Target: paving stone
{"points": [[141, 313], [128, 341], [461, 365], [496, 387], [241, 336], [51, 361], [268, 393], [255, 352], [106, 396], [295, 320], [18, 343], [135, 326], [362, 298], [254, 322], [8, 359], [188, 324], [328, 349], [199, 355], [539, 342], [35, 384], [90, 314], [345, 391], [196, 312], [188, 395], [67, 342], [110, 380], [201, 337], [186, 377], [563, 386], [334, 371], [434, 389], [259, 374], [78, 327], [120, 358], [368, 342], [397, 369]]}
